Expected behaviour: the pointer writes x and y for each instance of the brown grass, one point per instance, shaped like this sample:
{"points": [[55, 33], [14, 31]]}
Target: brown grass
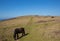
{"points": [[40, 28]]}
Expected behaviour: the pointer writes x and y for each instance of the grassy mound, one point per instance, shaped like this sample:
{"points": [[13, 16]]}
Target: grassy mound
{"points": [[40, 28]]}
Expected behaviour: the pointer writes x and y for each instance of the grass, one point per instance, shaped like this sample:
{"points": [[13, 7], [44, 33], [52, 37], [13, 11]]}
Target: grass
{"points": [[47, 31]]}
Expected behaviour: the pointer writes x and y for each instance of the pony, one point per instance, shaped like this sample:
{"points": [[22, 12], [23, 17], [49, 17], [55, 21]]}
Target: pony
{"points": [[17, 31]]}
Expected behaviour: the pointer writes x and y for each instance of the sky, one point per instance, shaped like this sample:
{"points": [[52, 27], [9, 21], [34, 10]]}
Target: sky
{"points": [[15, 8]]}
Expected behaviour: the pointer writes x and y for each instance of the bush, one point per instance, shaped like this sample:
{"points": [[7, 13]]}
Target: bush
{"points": [[52, 17]]}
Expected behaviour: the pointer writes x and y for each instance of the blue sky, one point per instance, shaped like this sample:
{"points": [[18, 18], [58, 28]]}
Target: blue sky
{"points": [[15, 8]]}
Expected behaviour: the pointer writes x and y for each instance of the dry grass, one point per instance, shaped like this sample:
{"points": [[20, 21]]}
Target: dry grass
{"points": [[40, 28]]}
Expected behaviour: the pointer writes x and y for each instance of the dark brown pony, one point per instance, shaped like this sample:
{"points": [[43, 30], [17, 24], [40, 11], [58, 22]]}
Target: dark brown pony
{"points": [[17, 31]]}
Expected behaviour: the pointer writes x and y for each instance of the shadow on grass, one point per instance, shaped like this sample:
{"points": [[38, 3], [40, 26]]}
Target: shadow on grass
{"points": [[23, 36]]}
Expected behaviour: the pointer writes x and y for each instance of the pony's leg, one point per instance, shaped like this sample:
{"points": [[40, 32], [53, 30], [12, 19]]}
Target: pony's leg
{"points": [[17, 36], [14, 36], [23, 33]]}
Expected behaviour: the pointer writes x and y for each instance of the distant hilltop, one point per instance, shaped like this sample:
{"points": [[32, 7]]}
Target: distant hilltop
{"points": [[4, 19]]}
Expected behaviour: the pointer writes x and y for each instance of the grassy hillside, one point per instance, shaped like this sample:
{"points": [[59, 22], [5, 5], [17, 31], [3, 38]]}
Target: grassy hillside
{"points": [[40, 28]]}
